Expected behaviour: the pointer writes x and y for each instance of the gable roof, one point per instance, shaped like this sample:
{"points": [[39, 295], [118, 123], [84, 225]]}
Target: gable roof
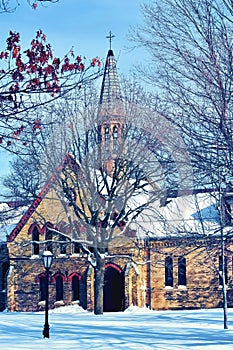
{"points": [[24, 219], [45, 189]]}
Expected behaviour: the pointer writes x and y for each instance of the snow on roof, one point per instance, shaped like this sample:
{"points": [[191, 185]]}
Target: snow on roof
{"points": [[191, 214]]}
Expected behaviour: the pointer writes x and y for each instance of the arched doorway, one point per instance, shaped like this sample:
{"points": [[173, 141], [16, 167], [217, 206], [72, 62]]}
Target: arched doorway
{"points": [[114, 288]]}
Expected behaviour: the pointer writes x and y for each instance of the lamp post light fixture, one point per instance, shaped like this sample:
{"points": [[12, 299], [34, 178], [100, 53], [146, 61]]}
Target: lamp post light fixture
{"points": [[47, 260]]}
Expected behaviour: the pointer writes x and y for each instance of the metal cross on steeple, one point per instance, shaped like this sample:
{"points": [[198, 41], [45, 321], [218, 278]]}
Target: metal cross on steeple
{"points": [[110, 37]]}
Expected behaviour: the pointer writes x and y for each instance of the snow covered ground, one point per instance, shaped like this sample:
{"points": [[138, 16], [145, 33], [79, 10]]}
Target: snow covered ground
{"points": [[134, 329]]}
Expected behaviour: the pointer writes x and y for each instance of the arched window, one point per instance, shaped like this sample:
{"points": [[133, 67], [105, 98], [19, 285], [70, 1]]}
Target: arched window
{"points": [[49, 237], [77, 248], [63, 227], [63, 244], [43, 286], [106, 133], [115, 136], [106, 138], [168, 272], [35, 245], [75, 288], [182, 271], [115, 132], [59, 288]]}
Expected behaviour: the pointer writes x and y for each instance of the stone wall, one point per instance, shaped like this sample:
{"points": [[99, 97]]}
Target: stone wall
{"points": [[202, 289], [24, 287], [143, 266]]}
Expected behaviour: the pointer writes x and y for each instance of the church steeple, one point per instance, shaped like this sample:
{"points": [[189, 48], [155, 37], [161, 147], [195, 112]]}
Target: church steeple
{"points": [[111, 114], [110, 103]]}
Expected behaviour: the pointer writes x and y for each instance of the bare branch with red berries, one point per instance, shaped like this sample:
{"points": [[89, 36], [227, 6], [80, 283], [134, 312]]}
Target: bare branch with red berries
{"points": [[34, 77]]}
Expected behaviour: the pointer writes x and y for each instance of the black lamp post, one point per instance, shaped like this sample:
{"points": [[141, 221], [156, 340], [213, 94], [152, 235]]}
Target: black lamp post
{"points": [[47, 260]]}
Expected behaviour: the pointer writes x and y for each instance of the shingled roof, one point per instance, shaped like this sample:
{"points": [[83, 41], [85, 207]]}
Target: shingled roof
{"points": [[110, 102]]}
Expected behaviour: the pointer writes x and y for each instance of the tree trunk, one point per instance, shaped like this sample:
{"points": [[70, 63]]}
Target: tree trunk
{"points": [[99, 286], [224, 287]]}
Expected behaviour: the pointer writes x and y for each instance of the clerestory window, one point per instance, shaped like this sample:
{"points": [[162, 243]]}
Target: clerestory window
{"points": [[35, 239]]}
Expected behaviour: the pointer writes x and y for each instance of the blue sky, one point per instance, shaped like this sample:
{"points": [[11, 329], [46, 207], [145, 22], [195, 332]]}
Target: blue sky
{"points": [[82, 24]]}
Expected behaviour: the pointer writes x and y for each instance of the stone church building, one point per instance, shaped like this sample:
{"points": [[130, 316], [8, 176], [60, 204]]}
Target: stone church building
{"points": [[159, 272]]}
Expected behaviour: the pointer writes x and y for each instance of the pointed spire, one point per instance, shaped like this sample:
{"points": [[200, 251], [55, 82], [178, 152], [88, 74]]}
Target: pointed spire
{"points": [[110, 103]]}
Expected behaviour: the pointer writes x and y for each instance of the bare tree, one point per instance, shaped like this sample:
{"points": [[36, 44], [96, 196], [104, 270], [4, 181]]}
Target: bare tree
{"points": [[190, 43], [229, 5], [23, 183]]}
